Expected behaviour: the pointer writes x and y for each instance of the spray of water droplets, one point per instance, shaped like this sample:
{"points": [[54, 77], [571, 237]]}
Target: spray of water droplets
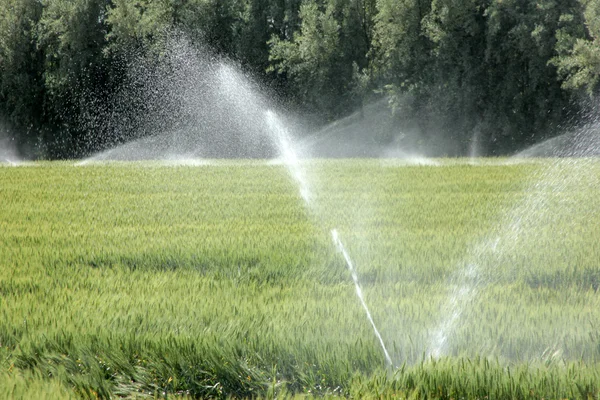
{"points": [[517, 232], [290, 159]]}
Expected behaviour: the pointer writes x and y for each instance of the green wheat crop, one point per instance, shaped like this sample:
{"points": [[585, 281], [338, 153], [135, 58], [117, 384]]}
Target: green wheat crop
{"points": [[143, 279]]}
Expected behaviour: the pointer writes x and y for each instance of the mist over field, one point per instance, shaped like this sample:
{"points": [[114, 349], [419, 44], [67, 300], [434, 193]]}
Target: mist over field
{"points": [[8, 151]]}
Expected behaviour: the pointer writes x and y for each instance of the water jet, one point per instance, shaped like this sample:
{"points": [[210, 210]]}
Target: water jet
{"points": [[516, 238], [290, 159], [342, 249]]}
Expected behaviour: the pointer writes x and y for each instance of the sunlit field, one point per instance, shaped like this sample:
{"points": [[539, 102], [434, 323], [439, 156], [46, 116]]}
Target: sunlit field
{"points": [[215, 279]]}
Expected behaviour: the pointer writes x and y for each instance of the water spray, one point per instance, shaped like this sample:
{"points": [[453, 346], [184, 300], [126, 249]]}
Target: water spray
{"points": [[290, 159], [340, 246], [284, 144]]}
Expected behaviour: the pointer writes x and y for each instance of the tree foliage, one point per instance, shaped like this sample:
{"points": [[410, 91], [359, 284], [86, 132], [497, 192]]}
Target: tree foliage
{"points": [[578, 59], [506, 71], [312, 59], [21, 66]]}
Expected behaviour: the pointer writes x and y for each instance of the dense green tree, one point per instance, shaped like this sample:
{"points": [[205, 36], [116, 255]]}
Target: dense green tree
{"points": [[326, 56], [310, 58], [71, 34], [401, 53], [255, 29], [456, 89], [137, 23], [21, 68], [474, 69], [508, 72], [578, 48], [214, 22], [524, 96], [357, 30]]}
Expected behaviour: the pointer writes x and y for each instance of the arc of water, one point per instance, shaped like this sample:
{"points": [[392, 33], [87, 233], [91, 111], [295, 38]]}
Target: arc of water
{"points": [[284, 144], [290, 159], [338, 242]]}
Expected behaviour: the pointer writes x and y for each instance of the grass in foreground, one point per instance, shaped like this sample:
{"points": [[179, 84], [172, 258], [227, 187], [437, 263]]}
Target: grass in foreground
{"points": [[138, 280]]}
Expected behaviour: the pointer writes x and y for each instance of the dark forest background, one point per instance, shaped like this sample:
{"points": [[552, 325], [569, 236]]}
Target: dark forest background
{"points": [[510, 72]]}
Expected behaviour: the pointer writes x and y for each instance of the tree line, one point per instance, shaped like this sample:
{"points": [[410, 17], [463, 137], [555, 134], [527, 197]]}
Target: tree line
{"points": [[509, 72]]}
